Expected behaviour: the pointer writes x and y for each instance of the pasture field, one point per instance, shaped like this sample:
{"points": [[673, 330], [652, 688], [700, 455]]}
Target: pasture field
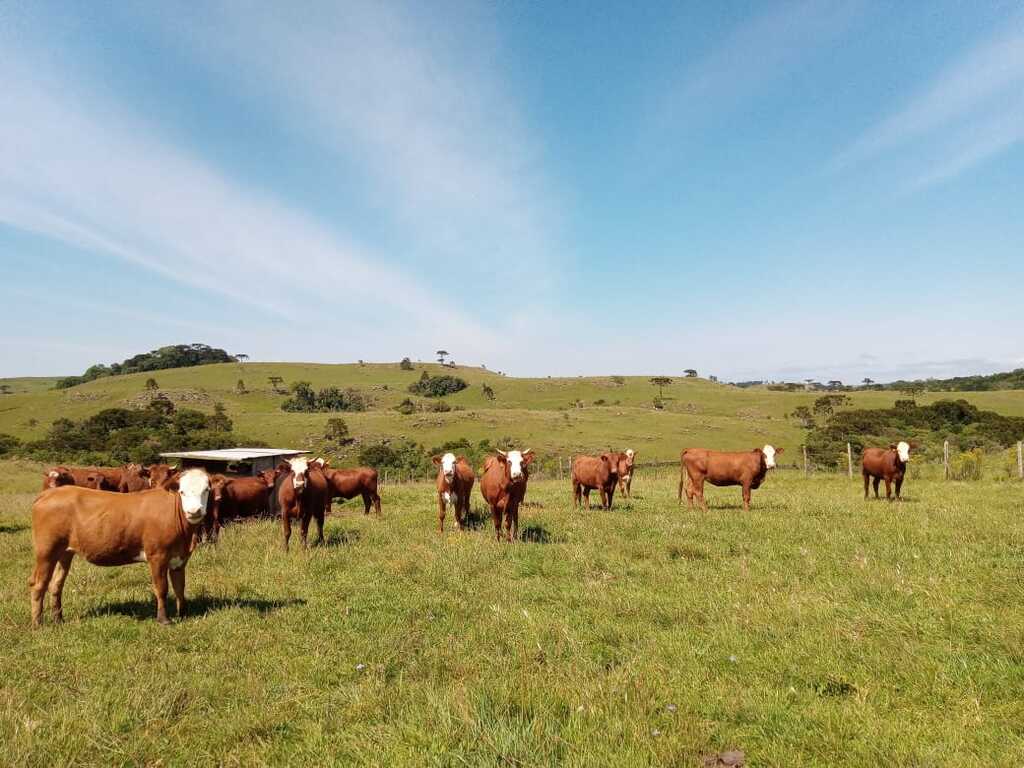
{"points": [[538, 412], [816, 630]]}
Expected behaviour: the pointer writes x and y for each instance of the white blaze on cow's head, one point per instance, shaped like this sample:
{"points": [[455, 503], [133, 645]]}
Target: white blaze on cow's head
{"points": [[516, 461], [770, 452], [903, 451], [194, 489], [299, 469], [448, 466]]}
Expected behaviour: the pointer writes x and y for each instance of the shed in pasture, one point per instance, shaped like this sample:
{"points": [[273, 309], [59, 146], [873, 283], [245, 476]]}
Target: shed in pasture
{"points": [[234, 461]]}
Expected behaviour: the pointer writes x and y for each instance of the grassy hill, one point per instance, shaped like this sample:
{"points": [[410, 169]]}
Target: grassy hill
{"points": [[541, 413]]}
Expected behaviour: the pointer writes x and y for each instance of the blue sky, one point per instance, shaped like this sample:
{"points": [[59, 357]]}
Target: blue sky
{"points": [[753, 190]]}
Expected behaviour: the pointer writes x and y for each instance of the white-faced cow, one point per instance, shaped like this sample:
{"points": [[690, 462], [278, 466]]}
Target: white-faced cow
{"points": [[503, 487], [455, 478], [746, 469], [889, 464]]}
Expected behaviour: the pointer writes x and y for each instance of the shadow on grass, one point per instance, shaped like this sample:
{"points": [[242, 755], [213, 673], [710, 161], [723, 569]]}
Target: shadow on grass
{"points": [[145, 610], [534, 533], [13, 528], [341, 537], [477, 519]]}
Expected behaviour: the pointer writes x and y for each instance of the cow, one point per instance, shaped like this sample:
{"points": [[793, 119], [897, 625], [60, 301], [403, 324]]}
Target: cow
{"points": [[889, 464], [455, 478], [159, 474], [112, 477], [744, 468], [155, 527], [590, 472], [134, 478], [301, 494], [56, 477], [83, 477], [348, 483], [625, 462], [503, 486], [233, 497]]}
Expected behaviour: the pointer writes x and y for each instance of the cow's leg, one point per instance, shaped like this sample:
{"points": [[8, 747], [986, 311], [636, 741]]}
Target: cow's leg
{"points": [[320, 517], [60, 575], [511, 525], [888, 489], [899, 486], [496, 518], [442, 507], [41, 574], [375, 497], [178, 585], [867, 481], [682, 487], [576, 494], [461, 509], [746, 497], [158, 570], [629, 488], [698, 491], [875, 482], [286, 524], [304, 528], [611, 495], [586, 497]]}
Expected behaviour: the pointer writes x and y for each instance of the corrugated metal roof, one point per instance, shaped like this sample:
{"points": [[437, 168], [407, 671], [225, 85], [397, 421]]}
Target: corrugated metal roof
{"points": [[233, 454]]}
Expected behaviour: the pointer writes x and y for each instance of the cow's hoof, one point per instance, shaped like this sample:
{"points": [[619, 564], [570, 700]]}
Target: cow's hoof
{"points": [[163, 622]]}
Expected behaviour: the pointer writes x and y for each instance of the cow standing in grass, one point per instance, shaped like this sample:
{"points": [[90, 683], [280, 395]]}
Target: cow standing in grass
{"points": [[234, 497], [302, 495], [746, 469], [889, 464], [503, 487], [594, 472], [624, 462], [155, 527], [455, 478], [348, 483]]}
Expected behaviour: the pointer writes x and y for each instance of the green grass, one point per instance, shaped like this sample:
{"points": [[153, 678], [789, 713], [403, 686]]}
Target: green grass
{"points": [[534, 412], [816, 630]]}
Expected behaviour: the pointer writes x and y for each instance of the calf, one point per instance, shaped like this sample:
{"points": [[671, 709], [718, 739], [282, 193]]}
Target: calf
{"points": [[302, 494], [590, 472], [348, 483], [455, 479], [625, 463], [503, 486], [160, 474], [155, 527], [134, 478], [889, 464], [744, 468], [234, 497]]}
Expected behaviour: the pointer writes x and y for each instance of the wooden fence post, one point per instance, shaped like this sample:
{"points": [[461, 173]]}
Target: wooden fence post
{"points": [[849, 460], [945, 459], [806, 468], [1020, 459]]}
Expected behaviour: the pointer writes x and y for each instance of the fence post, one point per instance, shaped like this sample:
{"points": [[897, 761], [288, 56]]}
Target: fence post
{"points": [[806, 468], [560, 478], [945, 459], [1020, 460], [849, 460]]}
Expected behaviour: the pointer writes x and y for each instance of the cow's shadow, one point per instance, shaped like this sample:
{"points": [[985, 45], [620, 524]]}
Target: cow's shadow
{"points": [[476, 519], [13, 528], [197, 607], [341, 537], [535, 533]]}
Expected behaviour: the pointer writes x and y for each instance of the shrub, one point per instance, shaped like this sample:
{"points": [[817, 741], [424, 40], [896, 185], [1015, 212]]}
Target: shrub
{"points": [[406, 364], [327, 400], [966, 465], [151, 384], [407, 407], [337, 430], [8, 443], [488, 392], [437, 386]]}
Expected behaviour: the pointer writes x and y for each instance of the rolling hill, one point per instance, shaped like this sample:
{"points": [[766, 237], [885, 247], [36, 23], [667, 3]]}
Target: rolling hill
{"points": [[556, 416]]}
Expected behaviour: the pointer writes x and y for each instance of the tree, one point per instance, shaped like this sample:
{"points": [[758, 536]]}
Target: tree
{"points": [[660, 382], [488, 392], [713, 379], [240, 388], [803, 414], [276, 382], [867, 382], [441, 355], [151, 384], [5, 389], [406, 364], [690, 373], [219, 421], [241, 358], [835, 384], [337, 430]]}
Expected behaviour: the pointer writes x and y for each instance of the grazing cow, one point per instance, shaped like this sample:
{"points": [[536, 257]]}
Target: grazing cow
{"points": [[155, 527], [625, 463], [348, 483], [744, 468], [503, 486], [233, 497], [302, 495], [56, 477], [889, 464], [455, 479], [134, 478], [590, 472]]}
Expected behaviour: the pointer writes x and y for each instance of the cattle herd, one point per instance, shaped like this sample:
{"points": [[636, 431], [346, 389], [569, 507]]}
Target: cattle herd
{"points": [[159, 514]]}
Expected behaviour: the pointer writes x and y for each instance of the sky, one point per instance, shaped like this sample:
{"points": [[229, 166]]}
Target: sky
{"points": [[827, 190]]}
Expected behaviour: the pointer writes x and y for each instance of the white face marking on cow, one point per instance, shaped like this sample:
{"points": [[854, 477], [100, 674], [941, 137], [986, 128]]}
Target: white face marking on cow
{"points": [[448, 466], [54, 473], [515, 464], [299, 469], [176, 563], [194, 488], [903, 451], [769, 456]]}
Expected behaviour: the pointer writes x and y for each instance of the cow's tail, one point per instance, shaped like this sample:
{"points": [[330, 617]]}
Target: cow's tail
{"points": [[683, 474]]}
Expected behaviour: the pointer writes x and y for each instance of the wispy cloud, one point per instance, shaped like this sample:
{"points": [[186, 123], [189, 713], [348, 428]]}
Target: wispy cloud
{"points": [[974, 107]]}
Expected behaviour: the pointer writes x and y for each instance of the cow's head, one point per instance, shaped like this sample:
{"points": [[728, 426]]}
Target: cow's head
{"points": [[626, 463], [516, 462], [269, 477], [217, 485], [57, 477], [300, 472], [770, 452], [160, 474], [902, 449], [447, 465], [194, 491]]}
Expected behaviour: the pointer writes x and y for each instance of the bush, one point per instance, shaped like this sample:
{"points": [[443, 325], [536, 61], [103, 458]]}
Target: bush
{"points": [[8, 443], [966, 465], [327, 400], [488, 392], [437, 386], [337, 430], [407, 407], [406, 364], [151, 384]]}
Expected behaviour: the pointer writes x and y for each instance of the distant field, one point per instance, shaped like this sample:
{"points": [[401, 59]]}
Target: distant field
{"points": [[538, 412], [817, 630]]}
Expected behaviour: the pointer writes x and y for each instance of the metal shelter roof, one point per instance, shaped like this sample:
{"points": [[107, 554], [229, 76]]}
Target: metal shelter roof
{"points": [[232, 454]]}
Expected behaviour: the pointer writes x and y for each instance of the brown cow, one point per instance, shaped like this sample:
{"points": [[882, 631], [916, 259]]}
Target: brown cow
{"points": [[233, 497], [889, 464], [56, 477], [302, 495], [744, 468], [590, 472], [155, 527], [625, 463], [348, 483], [134, 478], [83, 477], [503, 486], [112, 477], [159, 474], [455, 479]]}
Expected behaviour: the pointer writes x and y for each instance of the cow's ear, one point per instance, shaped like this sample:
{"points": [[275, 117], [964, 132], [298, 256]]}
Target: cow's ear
{"points": [[527, 458], [461, 458], [170, 483], [500, 456], [436, 460], [892, 446], [778, 451]]}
